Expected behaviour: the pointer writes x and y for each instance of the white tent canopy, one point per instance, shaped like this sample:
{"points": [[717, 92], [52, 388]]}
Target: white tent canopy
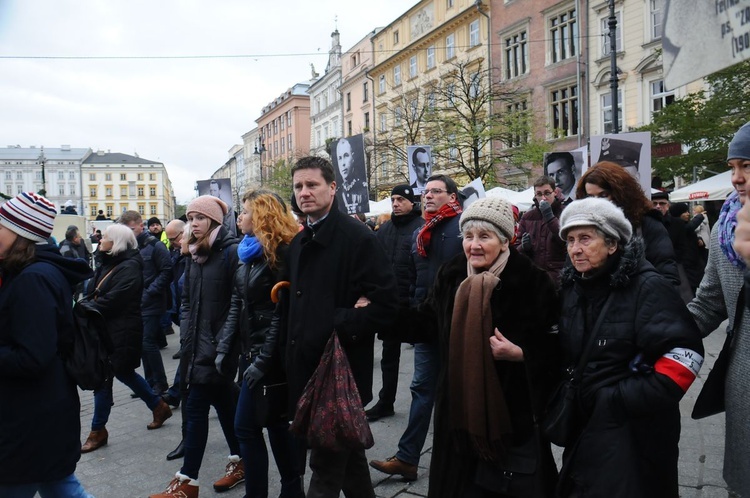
{"points": [[716, 188], [522, 200], [379, 207]]}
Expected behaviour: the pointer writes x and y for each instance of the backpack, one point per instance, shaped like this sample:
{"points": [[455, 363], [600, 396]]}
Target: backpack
{"points": [[87, 361]]}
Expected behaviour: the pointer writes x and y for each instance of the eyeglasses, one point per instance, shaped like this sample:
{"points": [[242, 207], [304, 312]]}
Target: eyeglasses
{"points": [[172, 239], [434, 191], [661, 203], [543, 194]]}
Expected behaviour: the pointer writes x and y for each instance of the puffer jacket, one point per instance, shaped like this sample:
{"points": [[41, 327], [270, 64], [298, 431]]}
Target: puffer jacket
{"points": [[396, 238], [659, 250], [157, 274], [548, 251], [206, 298], [632, 382]]}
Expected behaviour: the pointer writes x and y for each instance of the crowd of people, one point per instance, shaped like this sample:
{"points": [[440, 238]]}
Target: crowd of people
{"points": [[611, 292]]}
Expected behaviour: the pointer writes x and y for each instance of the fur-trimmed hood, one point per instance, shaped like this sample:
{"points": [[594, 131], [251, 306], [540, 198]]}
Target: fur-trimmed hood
{"points": [[625, 269]]}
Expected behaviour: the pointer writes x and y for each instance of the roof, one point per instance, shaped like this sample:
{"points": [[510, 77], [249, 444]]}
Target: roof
{"points": [[116, 158], [50, 153]]}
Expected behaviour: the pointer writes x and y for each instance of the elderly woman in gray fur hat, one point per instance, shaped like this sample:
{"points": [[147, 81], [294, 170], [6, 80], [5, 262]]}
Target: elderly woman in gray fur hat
{"points": [[645, 351], [718, 298], [492, 310]]}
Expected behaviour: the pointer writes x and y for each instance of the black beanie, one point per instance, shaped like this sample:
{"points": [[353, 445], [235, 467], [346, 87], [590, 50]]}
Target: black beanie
{"points": [[404, 191], [677, 208], [152, 221]]}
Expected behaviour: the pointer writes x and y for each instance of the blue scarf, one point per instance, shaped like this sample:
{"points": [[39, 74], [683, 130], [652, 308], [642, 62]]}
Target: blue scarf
{"points": [[249, 248], [726, 225]]}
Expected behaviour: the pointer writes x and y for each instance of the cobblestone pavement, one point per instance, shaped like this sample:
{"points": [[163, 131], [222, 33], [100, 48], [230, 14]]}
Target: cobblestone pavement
{"points": [[133, 464]]}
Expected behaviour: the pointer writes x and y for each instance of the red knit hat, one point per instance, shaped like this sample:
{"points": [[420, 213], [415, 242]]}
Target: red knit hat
{"points": [[29, 215], [210, 207]]}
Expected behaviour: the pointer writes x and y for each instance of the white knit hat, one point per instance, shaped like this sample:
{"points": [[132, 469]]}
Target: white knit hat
{"points": [[494, 210], [598, 213], [29, 215]]}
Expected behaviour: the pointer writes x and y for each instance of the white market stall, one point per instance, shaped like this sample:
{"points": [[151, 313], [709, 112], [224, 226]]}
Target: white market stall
{"points": [[716, 188]]}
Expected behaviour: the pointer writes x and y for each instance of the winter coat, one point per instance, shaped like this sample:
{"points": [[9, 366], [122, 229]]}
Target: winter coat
{"points": [[330, 268], [686, 249], [70, 250], [118, 299], [445, 243], [251, 314], [157, 275], [716, 301], [40, 423], [631, 425], [206, 296], [524, 307], [396, 239], [658, 246], [548, 249]]}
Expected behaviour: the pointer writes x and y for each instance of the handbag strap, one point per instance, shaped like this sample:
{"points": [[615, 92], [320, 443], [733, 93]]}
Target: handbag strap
{"points": [[105, 278], [578, 371]]}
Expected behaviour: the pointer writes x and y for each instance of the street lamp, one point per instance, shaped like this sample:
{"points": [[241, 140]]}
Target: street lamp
{"points": [[41, 160], [612, 22], [260, 148]]}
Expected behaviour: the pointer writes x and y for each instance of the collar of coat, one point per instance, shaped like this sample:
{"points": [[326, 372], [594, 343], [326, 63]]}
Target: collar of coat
{"points": [[627, 267]]}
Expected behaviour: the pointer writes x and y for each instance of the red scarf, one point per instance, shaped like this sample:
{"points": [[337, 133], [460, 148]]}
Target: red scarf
{"points": [[449, 210]]}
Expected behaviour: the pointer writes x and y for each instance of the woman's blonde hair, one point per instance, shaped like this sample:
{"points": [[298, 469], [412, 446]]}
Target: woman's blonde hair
{"points": [[273, 224]]}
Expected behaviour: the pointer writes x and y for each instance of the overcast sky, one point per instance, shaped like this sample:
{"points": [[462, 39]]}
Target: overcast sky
{"points": [[186, 113]]}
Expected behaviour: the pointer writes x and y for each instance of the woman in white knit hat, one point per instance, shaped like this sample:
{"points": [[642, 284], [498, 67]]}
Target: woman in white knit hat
{"points": [[632, 347], [40, 415], [492, 310]]}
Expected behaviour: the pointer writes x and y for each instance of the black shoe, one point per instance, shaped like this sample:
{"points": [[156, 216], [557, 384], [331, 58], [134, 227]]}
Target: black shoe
{"points": [[168, 331], [134, 395], [178, 452], [379, 411], [177, 355], [172, 401]]}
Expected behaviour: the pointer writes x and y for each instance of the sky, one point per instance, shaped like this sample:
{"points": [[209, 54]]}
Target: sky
{"points": [[78, 72]]}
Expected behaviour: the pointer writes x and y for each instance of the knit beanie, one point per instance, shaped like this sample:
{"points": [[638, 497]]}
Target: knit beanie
{"points": [[494, 210], [29, 215], [598, 213], [739, 147], [678, 208], [210, 207], [153, 221], [404, 191]]}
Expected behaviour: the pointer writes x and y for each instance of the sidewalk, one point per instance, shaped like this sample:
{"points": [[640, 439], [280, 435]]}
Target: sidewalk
{"points": [[133, 464]]}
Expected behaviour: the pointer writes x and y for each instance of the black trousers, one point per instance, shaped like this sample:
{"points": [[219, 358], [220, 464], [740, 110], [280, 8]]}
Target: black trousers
{"points": [[389, 366], [336, 471]]}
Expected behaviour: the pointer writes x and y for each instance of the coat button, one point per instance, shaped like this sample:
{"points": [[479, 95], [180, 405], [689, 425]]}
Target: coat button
{"points": [[299, 293], [293, 342]]}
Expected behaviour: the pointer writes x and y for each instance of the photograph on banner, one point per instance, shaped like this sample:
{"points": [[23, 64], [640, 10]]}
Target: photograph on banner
{"points": [[351, 174], [219, 187], [472, 192], [420, 166], [565, 168], [632, 151], [715, 33]]}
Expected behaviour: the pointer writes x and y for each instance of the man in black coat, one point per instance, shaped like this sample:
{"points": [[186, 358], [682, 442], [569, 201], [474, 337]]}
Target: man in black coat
{"points": [[395, 236], [340, 280]]}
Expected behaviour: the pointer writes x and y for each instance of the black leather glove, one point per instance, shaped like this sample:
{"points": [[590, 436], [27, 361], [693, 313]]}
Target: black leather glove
{"points": [[218, 362], [251, 376], [546, 210], [526, 243]]}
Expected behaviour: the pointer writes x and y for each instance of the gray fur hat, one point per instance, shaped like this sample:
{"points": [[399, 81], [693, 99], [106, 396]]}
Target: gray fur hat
{"points": [[598, 213], [739, 147]]}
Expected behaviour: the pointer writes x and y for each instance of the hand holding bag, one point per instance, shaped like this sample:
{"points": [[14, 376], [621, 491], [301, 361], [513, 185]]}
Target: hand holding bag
{"points": [[329, 413]]}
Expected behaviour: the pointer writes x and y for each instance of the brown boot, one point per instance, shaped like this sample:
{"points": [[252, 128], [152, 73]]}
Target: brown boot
{"points": [[394, 466], [161, 413], [96, 440], [234, 475], [180, 487]]}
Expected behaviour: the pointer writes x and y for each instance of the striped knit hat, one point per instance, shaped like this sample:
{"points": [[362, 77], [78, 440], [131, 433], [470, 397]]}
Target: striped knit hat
{"points": [[29, 215]]}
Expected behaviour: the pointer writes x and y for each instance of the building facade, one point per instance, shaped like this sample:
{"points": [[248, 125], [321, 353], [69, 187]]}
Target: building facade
{"points": [[251, 153], [115, 183], [356, 88], [325, 100]]}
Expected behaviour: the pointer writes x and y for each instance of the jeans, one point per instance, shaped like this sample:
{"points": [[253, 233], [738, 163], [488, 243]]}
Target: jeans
{"points": [[103, 397], [255, 454], [67, 487], [153, 368], [200, 399], [389, 367], [423, 386]]}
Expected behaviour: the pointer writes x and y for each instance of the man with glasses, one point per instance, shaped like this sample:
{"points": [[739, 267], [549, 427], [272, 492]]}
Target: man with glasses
{"points": [[539, 228]]}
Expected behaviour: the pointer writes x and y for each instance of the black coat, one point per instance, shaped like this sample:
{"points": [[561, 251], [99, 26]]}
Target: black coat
{"points": [[206, 297], [40, 422], [396, 239], [524, 308], [157, 275], [445, 243], [633, 419], [118, 299], [329, 270], [658, 246]]}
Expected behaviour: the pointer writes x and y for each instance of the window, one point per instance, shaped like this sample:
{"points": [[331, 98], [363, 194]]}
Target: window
{"points": [[140, 191], [37, 175], [383, 165], [367, 121], [152, 176], [108, 191], [516, 55], [564, 110], [289, 118], [349, 128], [660, 96], [72, 189], [397, 75], [449, 3], [281, 122], [655, 15], [109, 210], [325, 102], [450, 46], [92, 192], [563, 34], [355, 59], [430, 56], [8, 177], [71, 175], [348, 101], [383, 122], [93, 211], [365, 92], [413, 66], [61, 175], [317, 105], [152, 191], [431, 101], [19, 189], [474, 33], [289, 141], [474, 87], [140, 177], [123, 177], [141, 209], [413, 109], [450, 94], [61, 189], [123, 192], [381, 84], [92, 177], [519, 132], [397, 116], [153, 210], [282, 144], [605, 34], [453, 150], [108, 177], [317, 138], [395, 37], [19, 175], [607, 122]]}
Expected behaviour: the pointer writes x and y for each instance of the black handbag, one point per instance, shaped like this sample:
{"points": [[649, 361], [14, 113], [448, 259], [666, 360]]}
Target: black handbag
{"points": [[564, 416], [271, 403], [711, 398]]}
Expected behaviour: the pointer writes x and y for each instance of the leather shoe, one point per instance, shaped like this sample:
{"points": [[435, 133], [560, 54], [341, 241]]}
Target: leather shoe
{"points": [[393, 466], [379, 411], [161, 413], [177, 355], [178, 452], [96, 440], [172, 401]]}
